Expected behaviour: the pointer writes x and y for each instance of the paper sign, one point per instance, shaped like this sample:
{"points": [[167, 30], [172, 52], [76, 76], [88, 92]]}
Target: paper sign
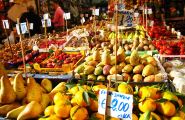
{"points": [[119, 105], [150, 11], [48, 23], [24, 28], [151, 23], [31, 26], [46, 16], [67, 16], [149, 53], [5, 24], [82, 20], [136, 14], [128, 18], [96, 12]]}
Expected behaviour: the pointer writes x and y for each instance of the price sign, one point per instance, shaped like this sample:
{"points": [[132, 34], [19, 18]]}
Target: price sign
{"points": [[31, 26], [150, 53], [48, 23], [128, 18], [151, 23], [67, 16], [96, 12], [23, 27], [150, 11], [119, 105], [5, 24], [82, 20], [46, 16]]}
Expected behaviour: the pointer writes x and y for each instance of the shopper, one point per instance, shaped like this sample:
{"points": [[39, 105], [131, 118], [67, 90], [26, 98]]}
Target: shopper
{"points": [[32, 17], [58, 19]]}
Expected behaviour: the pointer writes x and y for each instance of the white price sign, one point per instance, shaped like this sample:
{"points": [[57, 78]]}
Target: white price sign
{"points": [[96, 12], [48, 23], [136, 14], [150, 11], [5, 24], [23, 27], [128, 18], [67, 16], [119, 105], [82, 20], [31, 26], [46, 16]]}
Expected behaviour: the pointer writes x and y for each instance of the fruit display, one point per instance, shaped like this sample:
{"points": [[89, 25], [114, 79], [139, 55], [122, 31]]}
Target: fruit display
{"points": [[135, 68], [77, 42], [170, 47], [59, 58], [26, 99], [53, 42], [157, 32]]}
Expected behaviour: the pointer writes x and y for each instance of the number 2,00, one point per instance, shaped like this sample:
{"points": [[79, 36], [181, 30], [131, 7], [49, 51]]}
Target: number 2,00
{"points": [[115, 105]]}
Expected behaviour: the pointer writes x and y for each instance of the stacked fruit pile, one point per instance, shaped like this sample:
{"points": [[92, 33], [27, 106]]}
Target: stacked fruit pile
{"points": [[27, 100], [130, 68]]}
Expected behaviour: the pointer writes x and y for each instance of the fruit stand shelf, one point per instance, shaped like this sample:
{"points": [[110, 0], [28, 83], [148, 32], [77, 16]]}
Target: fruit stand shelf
{"points": [[42, 76]]}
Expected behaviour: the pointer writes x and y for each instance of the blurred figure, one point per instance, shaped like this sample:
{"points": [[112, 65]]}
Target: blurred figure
{"points": [[32, 17], [58, 19], [75, 12]]}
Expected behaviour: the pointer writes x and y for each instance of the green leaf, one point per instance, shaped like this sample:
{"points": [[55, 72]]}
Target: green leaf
{"points": [[92, 95], [69, 86], [147, 115], [161, 100], [93, 117], [51, 51], [183, 108], [86, 97]]}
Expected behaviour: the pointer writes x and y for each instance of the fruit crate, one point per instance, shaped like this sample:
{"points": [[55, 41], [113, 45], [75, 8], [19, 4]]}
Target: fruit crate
{"points": [[64, 68]]}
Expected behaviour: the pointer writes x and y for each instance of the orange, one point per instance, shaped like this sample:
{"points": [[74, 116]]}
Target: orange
{"points": [[93, 105], [79, 98], [60, 98], [99, 116], [79, 113], [97, 88], [125, 88], [74, 90], [176, 118], [147, 105], [166, 108], [180, 103], [53, 117], [49, 110], [62, 110], [180, 114], [134, 117], [150, 92]]}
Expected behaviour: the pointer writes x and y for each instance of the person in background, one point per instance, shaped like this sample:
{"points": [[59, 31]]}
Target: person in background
{"points": [[58, 19], [32, 17], [75, 12]]}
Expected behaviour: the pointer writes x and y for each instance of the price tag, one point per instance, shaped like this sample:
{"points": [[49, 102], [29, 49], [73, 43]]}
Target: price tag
{"points": [[136, 14], [150, 11], [31, 26], [151, 23], [24, 28], [82, 20], [119, 105], [46, 16], [178, 35], [6, 24], [67, 16], [95, 12], [49, 22], [128, 18], [149, 53]]}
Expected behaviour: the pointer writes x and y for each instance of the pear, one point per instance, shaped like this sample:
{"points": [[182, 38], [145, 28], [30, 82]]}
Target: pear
{"points": [[8, 107], [34, 92], [32, 110], [15, 112], [45, 101], [7, 94], [134, 58], [96, 55], [19, 87], [46, 84], [121, 55]]}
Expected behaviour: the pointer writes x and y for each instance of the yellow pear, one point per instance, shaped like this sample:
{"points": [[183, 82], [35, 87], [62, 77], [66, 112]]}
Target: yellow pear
{"points": [[45, 100], [19, 87], [7, 94], [34, 92], [46, 84], [15, 112], [8, 107], [32, 110], [61, 87]]}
